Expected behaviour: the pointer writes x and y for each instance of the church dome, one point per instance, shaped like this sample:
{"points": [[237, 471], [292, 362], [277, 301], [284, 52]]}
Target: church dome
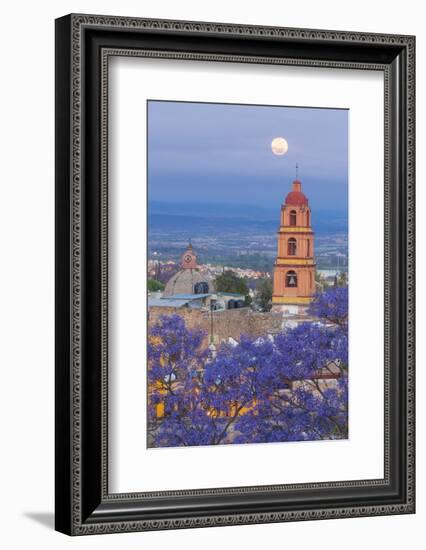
{"points": [[296, 197], [188, 281]]}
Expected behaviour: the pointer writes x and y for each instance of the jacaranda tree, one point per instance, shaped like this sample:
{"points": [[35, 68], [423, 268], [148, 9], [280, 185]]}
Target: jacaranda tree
{"points": [[331, 306], [287, 388]]}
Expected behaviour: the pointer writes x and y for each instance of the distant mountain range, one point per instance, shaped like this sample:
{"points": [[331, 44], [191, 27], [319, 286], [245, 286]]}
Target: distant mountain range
{"points": [[218, 210], [207, 218]]}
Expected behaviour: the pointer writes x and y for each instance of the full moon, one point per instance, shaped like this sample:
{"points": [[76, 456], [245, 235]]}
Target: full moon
{"points": [[279, 146]]}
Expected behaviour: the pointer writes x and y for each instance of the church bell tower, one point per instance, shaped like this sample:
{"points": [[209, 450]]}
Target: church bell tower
{"points": [[189, 258], [294, 272]]}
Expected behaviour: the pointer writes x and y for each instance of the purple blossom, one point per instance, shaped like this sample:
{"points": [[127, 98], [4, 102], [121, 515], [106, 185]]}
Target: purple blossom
{"points": [[331, 306], [254, 392]]}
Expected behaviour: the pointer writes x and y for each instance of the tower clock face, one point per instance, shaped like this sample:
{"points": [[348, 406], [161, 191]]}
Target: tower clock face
{"points": [[187, 259]]}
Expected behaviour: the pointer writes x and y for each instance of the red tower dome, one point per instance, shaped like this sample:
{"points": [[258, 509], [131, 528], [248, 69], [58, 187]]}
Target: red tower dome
{"points": [[296, 197]]}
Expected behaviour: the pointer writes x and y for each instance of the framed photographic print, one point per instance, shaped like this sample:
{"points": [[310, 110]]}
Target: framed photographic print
{"points": [[234, 274]]}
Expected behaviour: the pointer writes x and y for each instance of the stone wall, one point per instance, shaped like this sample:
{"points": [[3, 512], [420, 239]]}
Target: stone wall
{"points": [[230, 323]]}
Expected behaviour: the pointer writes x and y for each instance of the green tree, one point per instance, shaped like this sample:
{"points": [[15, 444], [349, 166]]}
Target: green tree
{"points": [[321, 281], [264, 295], [343, 279], [154, 285], [228, 281]]}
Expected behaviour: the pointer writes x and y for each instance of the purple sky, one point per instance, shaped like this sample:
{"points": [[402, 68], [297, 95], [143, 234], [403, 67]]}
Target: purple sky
{"points": [[221, 153]]}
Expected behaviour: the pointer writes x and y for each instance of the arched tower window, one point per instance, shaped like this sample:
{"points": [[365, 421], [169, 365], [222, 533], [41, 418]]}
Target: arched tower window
{"points": [[293, 217], [291, 279], [291, 247], [308, 248], [308, 218], [201, 288]]}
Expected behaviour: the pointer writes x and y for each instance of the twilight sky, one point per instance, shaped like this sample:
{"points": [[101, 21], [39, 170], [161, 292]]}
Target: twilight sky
{"points": [[218, 153]]}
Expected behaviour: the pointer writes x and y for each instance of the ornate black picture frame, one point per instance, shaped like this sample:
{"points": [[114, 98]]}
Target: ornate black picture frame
{"points": [[83, 45]]}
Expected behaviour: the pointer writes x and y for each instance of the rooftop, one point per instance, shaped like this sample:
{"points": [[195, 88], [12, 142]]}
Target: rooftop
{"points": [[165, 302], [187, 296]]}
